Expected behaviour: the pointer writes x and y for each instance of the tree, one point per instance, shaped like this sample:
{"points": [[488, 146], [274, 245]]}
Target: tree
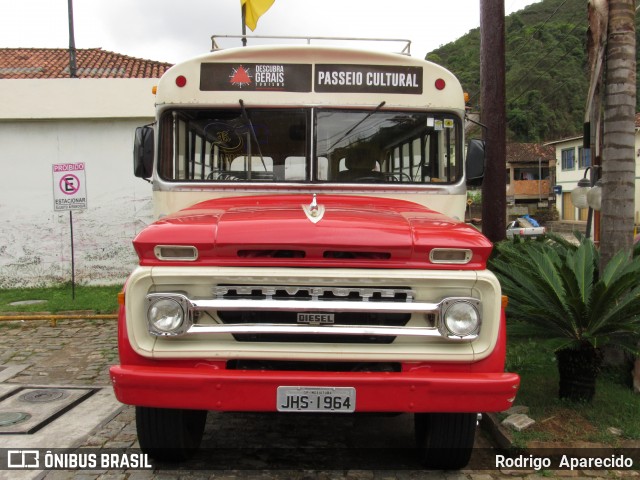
{"points": [[618, 156], [522, 116], [557, 288]]}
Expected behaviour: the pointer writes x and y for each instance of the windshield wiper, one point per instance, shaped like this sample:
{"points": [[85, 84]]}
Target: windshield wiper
{"points": [[253, 136], [357, 125]]}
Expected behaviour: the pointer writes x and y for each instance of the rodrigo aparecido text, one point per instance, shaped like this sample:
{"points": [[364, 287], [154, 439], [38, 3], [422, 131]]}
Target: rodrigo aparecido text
{"points": [[556, 461]]}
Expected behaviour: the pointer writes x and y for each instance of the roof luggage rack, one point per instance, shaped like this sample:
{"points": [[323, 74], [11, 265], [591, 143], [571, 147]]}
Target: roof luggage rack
{"points": [[405, 44]]}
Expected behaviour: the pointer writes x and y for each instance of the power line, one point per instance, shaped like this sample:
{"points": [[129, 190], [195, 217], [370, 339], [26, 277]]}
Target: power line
{"points": [[525, 76], [524, 43], [541, 25], [528, 89], [540, 75]]}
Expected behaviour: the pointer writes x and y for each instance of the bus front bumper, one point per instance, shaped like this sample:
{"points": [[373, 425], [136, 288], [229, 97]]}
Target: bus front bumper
{"points": [[241, 390]]}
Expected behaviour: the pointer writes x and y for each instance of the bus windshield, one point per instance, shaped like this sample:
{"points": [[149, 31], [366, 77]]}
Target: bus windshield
{"points": [[310, 145]]}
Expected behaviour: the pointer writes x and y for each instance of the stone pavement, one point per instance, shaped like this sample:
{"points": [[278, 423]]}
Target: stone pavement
{"points": [[79, 352]]}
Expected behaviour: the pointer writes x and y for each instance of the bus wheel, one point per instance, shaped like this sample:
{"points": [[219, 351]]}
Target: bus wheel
{"points": [[445, 440], [169, 434]]}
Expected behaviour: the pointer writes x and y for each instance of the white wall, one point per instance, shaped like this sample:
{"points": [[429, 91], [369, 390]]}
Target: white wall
{"points": [[35, 240], [60, 98]]}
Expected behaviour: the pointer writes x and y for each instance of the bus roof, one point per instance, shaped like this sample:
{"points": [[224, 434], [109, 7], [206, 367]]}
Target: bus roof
{"points": [[310, 75], [403, 44]]}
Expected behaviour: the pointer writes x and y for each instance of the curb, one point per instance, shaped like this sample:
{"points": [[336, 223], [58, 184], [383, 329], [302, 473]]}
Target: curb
{"points": [[500, 435], [504, 441], [53, 318]]}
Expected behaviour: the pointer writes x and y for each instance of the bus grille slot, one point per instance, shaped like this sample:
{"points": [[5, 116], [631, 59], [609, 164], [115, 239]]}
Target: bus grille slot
{"points": [[322, 294], [355, 294]]}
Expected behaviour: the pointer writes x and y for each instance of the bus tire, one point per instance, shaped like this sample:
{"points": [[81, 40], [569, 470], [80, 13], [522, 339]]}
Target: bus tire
{"points": [[169, 434], [444, 441]]}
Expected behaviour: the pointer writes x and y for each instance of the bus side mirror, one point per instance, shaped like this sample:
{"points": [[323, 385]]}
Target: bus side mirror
{"points": [[475, 162], [143, 152]]}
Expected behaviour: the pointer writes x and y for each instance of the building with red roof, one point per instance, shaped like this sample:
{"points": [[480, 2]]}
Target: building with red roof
{"points": [[41, 63], [48, 118]]}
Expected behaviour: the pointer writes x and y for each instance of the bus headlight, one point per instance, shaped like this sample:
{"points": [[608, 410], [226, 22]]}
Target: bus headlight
{"points": [[166, 316], [460, 317]]}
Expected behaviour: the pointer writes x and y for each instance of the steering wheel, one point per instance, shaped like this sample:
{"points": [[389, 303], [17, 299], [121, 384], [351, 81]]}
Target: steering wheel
{"points": [[224, 176], [368, 179]]}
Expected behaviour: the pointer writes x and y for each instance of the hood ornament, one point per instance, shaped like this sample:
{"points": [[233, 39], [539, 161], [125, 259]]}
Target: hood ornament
{"points": [[313, 211]]}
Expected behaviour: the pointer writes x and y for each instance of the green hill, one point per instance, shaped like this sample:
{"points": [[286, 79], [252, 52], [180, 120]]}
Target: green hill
{"points": [[546, 69]]}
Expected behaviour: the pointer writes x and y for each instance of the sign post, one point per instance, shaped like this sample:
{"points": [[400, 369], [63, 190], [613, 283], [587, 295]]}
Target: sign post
{"points": [[69, 194]]}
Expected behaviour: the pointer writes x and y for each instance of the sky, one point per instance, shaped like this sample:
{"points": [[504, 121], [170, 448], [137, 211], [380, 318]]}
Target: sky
{"points": [[171, 31]]}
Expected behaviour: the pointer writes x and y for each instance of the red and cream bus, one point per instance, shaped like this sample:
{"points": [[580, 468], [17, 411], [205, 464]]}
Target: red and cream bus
{"points": [[310, 253]]}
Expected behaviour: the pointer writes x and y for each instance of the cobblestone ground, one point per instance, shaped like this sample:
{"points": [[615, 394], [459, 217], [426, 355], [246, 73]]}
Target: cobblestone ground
{"points": [[80, 353], [75, 352]]}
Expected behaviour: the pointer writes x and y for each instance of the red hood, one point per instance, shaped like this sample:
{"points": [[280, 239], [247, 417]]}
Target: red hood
{"points": [[275, 230]]}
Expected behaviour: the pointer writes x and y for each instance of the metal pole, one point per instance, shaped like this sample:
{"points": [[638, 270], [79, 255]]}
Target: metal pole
{"points": [[539, 179], [72, 44], [73, 259], [244, 24]]}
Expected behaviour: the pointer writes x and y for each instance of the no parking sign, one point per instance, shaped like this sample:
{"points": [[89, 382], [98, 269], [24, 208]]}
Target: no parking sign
{"points": [[69, 187]]}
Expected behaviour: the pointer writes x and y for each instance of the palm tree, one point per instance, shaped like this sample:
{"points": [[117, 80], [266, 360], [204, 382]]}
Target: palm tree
{"points": [[618, 162], [558, 289]]}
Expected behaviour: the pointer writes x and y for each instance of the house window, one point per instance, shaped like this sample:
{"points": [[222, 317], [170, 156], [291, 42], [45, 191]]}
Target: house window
{"points": [[568, 159], [584, 157], [532, 173]]}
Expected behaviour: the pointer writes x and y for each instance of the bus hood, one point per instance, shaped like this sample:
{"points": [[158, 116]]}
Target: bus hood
{"points": [[305, 231]]}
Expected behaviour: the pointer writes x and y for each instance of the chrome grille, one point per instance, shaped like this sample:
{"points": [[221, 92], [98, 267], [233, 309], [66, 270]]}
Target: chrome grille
{"points": [[314, 294], [285, 314], [258, 292]]}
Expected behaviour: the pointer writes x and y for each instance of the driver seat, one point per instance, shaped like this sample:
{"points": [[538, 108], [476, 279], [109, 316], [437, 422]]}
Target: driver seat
{"points": [[360, 164]]}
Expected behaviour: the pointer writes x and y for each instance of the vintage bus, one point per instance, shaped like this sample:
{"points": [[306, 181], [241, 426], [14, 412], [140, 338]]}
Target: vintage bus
{"points": [[310, 252]]}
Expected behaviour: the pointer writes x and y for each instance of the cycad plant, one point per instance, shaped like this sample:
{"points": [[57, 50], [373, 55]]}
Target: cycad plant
{"points": [[556, 287]]}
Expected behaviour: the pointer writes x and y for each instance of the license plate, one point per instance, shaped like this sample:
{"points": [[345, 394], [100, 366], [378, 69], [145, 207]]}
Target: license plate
{"points": [[316, 399]]}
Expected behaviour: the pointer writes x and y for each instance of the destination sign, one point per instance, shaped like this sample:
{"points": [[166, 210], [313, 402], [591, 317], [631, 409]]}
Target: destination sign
{"points": [[368, 79], [328, 78]]}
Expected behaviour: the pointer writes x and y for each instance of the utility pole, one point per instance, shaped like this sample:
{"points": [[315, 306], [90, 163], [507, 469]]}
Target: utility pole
{"points": [[72, 43], [598, 17], [493, 115]]}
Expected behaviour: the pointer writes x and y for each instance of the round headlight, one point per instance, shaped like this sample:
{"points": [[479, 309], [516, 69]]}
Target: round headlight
{"points": [[461, 319], [165, 315]]}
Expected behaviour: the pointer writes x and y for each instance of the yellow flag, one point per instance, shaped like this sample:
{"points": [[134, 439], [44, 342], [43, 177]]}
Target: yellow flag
{"points": [[254, 10]]}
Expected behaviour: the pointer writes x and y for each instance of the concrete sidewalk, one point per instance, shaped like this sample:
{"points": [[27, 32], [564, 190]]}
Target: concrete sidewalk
{"points": [[54, 387]]}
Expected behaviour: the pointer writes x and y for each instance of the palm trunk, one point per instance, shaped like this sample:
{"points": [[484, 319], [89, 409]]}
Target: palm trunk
{"points": [[618, 162], [578, 369]]}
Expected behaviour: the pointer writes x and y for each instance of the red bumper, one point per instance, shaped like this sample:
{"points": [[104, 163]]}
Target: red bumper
{"points": [[235, 390]]}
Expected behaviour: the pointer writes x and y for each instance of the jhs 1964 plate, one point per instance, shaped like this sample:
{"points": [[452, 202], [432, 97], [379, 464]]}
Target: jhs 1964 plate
{"points": [[316, 399]]}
